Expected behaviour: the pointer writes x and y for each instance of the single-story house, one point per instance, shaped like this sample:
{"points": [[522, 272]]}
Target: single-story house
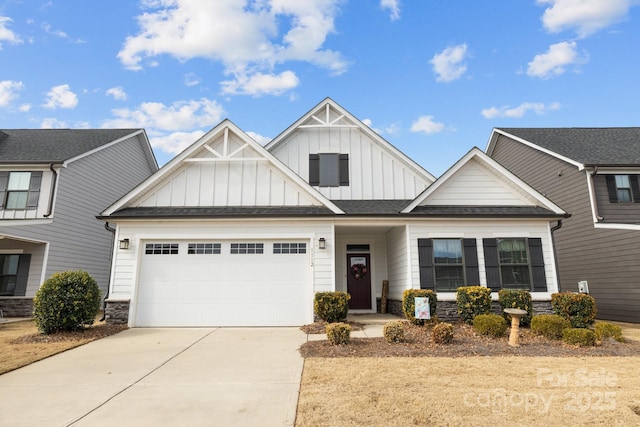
{"points": [[231, 233]]}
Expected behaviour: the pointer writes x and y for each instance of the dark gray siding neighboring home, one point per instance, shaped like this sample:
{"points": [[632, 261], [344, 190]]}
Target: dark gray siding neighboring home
{"points": [[592, 173], [53, 183]]}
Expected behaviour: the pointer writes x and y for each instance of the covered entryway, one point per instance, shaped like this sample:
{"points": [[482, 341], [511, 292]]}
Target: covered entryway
{"points": [[224, 283]]}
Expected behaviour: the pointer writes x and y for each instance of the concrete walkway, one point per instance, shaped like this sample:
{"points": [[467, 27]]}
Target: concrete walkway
{"points": [[153, 377]]}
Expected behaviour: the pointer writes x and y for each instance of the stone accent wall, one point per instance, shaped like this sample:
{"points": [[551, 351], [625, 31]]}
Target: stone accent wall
{"points": [[447, 311], [117, 312], [16, 307]]}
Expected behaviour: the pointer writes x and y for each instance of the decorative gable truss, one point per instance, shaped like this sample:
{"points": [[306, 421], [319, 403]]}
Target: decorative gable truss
{"points": [[477, 180], [224, 168], [345, 159]]}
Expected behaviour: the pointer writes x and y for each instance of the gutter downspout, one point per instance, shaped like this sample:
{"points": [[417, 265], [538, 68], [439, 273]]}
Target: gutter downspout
{"points": [[106, 295], [53, 190], [555, 253], [592, 196]]}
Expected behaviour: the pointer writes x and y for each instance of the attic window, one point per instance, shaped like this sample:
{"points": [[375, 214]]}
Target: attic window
{"points": [[329, 169]]}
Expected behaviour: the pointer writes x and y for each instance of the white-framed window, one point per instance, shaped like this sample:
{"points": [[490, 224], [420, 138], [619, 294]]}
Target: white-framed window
{"points": [[514, 262], [448, 264], [204, 248], [161, 249], [18, 190], [247, 248], [623, 188], [289, 248]]}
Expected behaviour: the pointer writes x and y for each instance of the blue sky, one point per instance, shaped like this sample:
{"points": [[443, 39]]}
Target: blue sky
{"points": [[432, 77]]}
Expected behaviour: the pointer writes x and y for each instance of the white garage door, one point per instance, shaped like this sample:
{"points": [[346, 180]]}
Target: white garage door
{"points": [[224, 283]]}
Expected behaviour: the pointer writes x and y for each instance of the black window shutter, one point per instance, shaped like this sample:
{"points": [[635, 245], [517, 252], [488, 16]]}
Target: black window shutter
{"points": [[23, 275], [472, 275], [491, 265], [344, 169], [611, 188], [425, 261], [314, 169], [537, 265], [635, 188], [34, 190], [4, 181]]}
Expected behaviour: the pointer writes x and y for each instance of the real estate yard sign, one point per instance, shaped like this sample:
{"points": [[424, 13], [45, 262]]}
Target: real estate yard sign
{"points": [[423, 311]]}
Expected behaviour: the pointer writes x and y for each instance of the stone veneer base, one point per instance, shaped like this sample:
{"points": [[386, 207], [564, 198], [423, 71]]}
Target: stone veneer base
{"points": [[16, 306], [117, 312]]}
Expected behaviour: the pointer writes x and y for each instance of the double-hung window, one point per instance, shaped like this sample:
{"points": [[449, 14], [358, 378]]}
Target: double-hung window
{"points": [[514, 263], [623, 188], [448, 264], [18, 190]]}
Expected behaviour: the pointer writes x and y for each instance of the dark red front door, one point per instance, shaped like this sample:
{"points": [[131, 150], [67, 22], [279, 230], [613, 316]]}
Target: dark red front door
{"points": [[359, 281]]}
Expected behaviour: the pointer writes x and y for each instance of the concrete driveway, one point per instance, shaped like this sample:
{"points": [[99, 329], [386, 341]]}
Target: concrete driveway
{"points": [[157, 377]]}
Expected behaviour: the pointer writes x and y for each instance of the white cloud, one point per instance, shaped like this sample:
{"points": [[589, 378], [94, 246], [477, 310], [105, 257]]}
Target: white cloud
{"points": [[553, 62], [61, 97], [262, 140], [8, 91], [6, 35], [175, 142], [427, 125], [118, 93], [519, 111], [179, 116], [248, 39], [584, 16], [190, 79], [261, 84], [59, 33], [448, 64], [53, 123], [393, 6], [24, 108]]}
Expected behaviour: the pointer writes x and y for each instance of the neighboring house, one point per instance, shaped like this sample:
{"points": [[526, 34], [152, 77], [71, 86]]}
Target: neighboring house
{"points": [[53, 182], [592, 173], [231, 233]]}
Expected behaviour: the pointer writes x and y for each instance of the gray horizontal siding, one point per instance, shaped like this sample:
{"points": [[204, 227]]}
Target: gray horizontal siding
{"points": [[625, 213], [607, 259], [85, 188]]}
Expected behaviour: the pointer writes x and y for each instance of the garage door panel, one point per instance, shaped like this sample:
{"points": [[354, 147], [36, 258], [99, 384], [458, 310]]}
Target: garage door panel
{"points": [[224, 289]]}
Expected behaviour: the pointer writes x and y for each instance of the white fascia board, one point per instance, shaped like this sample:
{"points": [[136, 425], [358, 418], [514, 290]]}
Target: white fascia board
{"points": [[364, 128], [492, 164], [613, 226], [494, 137], [213, 133]]}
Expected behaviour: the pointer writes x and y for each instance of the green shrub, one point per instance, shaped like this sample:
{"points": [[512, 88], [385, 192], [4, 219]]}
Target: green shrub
{"points": [[473, 300], [66, 302], [331, 306], [579, 309], [493, 325], [509, 298], [549, 325], [604, 330], [409, 304], [579, 336], [338, 333], [394, 331], [442, 333]]}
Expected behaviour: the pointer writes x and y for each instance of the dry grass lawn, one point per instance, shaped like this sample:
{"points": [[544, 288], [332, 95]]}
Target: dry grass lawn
{"points": [[22, 344], [471, 391]]}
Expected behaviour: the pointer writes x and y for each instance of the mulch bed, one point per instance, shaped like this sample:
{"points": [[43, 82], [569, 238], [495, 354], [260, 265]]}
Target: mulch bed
{"points": [[89, 333], [466, 343]]}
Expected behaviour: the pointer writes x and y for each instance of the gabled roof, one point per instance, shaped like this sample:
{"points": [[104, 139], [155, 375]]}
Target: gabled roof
{"points": [[580, 146], [55, 145], [506, 184], [123, 206], [318, 116]]}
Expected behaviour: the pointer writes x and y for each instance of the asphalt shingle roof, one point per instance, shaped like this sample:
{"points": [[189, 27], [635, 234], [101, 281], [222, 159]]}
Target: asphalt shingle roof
{"points": [[485, 211], [589, 146], [220, 212], [53, 145], [372, 207]]}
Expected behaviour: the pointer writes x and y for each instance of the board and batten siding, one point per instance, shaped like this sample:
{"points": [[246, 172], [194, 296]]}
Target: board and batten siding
{"points": [[475, 184], [77, 240], [624, 213], [375, 173], [397, 262], [126, 262], [226, 181], [606, 259], [481, 229]]}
